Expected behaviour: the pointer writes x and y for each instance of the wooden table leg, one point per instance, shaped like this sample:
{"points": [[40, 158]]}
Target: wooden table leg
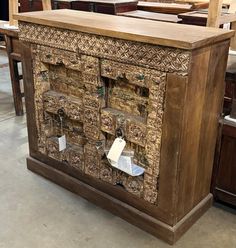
{"points": [[15, 77]]}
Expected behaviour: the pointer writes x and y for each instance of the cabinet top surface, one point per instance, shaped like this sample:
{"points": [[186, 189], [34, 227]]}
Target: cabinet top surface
{"points": [[147, 31]]}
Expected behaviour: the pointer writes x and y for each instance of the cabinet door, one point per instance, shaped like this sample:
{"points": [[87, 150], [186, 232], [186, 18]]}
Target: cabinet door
{"points": [[60, 90], [134, 108], [91, 101]]}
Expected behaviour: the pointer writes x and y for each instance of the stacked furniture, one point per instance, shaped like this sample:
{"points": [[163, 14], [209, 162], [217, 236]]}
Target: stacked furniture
{"points": [[224, 174], [170, 8], [92, 80], [152, 16], [101, 6], [200, 18]]}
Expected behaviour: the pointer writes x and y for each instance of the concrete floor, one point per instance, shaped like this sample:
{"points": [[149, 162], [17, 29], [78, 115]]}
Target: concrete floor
{"points": [[37, 213]]}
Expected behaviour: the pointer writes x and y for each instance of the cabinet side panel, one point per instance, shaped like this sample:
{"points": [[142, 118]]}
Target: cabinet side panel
{"points": [[211, 114], [191, 126], [201, 112]]}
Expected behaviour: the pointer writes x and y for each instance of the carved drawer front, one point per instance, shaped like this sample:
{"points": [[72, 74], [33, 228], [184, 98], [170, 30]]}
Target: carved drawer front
{"points": [[71, 107], [55, 56], [134, 108], [133, 74]]}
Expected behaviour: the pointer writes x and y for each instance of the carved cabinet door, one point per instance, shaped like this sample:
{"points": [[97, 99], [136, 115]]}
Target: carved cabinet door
{"points": [[91, 101]]}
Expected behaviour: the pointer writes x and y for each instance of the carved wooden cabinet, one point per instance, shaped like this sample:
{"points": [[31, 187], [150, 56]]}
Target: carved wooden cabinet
{"points": [[90, 79]]}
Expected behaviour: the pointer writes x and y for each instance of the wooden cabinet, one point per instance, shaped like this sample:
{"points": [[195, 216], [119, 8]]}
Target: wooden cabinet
{"points": [[62, 4], [230, 85], [112, 7], [224, 173], [30, 5], [199, 18], [170, 8], [92, 80], [224, 183], [101, 6]]}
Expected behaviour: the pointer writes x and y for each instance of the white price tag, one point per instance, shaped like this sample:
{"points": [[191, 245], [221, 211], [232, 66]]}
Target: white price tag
{"points": [[116, 149], [62, 143], [125, 164]]}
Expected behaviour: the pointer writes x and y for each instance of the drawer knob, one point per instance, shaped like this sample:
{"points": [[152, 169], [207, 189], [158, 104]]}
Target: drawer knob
{"points": [[61, 112], [48, 56], [44, 75], [120, 133], [140, 77]]}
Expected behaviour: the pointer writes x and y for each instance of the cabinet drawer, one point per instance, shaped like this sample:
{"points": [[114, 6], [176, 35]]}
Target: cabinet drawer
{"points": [[134, 74]]}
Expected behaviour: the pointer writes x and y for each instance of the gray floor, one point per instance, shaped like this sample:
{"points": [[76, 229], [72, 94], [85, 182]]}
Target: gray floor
{"points": [[35, 213]]}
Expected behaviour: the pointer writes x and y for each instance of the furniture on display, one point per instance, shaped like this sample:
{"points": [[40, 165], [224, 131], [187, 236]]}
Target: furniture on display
{"points": [[224, 2], [224, 174], [152, 16], [105, 6], [32, 5], [37, 5], [200, 18], [13, 48], [141, 79], [101, 6], [169, 8], [62, 4], [230, 87]]}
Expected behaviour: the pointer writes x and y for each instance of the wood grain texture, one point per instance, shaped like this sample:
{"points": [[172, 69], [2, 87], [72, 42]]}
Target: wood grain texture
{"points": [[47, 5], [223, 183], [13, 47], [227, 2], [233, 39], [152, 16], [27, 68], [214, 11], [170, 8], [13, 9], [106, 7], [170, 149], [159, 33], [198, 146], [200, 18]]}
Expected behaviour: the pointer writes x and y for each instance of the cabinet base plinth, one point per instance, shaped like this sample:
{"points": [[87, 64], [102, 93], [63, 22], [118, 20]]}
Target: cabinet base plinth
{"points": [[142, 220]]}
